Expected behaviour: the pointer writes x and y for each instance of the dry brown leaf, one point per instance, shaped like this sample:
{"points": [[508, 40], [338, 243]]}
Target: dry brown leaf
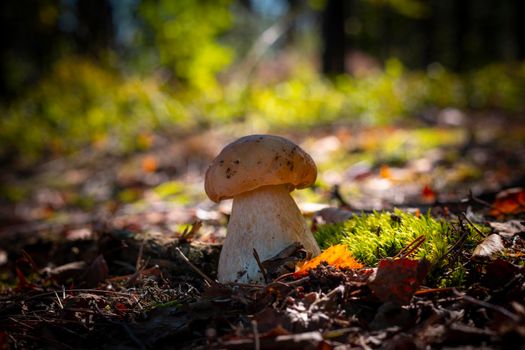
{"points": [[397, 280], [508, 229], [491, 245], [510, 201], [97, 272]]}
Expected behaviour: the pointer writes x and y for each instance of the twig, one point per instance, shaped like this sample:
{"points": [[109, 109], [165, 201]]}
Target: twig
{"points": [[59, 301], [20, 322], [208, 280], [433, 290], [493, 307], [362, 343], [473, 226], [139, 256], [282, 277], [409, 249], [256, 335], [459, 242], [477, 200], [296, 282], [263, 270], [79, 290], [328, 296]]}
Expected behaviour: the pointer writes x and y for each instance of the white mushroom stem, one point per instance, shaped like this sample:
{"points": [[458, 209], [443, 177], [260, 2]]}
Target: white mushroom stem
{"points": [[268, 220]]}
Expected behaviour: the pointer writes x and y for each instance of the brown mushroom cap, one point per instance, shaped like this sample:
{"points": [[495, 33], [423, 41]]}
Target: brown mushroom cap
{"points": [[258, 160]]}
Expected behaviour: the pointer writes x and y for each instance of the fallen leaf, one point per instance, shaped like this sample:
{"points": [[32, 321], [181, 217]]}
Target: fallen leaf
{"points": [[508, 229], [491, 245], [510, 201], [149, 164], [385, 172], [396, 280], [337, 256], [500, 272], [97, 272], [428, 194]]}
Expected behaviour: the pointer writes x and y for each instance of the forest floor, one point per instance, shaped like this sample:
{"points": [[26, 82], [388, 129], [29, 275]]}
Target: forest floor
{"points": [[110, 251]]}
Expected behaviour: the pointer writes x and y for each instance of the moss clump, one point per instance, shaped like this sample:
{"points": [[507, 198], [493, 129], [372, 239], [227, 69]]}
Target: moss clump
{"points": [[371, 237]]}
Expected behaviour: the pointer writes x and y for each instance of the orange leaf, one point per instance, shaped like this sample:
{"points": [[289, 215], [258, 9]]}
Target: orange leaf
{"points": [[428, 194], [510, 201], [385, 172], [149, 164], [338, 256]]}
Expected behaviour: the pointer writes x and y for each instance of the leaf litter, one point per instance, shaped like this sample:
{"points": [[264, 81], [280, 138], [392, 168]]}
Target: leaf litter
{"points": [[114, 278]]}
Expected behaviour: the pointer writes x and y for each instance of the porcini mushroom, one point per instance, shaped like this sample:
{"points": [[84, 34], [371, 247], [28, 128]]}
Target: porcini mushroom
{"points": [[259, 172]]}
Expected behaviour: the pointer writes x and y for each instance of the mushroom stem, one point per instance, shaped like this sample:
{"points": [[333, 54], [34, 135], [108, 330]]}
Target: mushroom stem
{"points": [[268, 220]]}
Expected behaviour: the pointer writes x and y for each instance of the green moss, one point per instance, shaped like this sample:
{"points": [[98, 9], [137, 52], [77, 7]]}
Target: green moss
{"points": [[371, 237]]}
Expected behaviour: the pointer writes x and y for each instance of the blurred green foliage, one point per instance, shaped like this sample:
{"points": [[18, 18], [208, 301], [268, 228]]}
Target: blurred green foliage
{"points": [[81, 103], [185, 38], [168, 82]]}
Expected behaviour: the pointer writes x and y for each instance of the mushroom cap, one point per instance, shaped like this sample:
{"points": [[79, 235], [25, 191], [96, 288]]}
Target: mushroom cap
{"points": [[258, 160]]}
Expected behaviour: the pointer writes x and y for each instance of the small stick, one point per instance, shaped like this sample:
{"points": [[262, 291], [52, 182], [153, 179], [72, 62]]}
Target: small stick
{"points": [[59, 301], [476, 199], [497, 308], [138, 264], [208, 280], [473, 226], [433, 290], [409, 249], [459, 242], [296, 282], [79, 290], [282, 277], [256, 334], [263, 271]]}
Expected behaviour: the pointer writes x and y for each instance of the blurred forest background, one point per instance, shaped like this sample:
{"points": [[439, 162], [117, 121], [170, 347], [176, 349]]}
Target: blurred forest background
{"points": [[118, 106], [109, 74]]}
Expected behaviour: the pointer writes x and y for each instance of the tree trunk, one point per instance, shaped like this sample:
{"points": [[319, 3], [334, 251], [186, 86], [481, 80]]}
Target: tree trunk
{"points": [[333, 37]]}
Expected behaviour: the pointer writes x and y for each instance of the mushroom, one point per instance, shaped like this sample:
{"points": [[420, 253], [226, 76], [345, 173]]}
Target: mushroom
{"points": [[259, 172]]}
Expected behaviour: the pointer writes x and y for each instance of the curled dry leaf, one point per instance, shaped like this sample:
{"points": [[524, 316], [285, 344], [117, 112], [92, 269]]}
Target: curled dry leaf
{"points": [[508, 229], [338, 256], [491, 245]]}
